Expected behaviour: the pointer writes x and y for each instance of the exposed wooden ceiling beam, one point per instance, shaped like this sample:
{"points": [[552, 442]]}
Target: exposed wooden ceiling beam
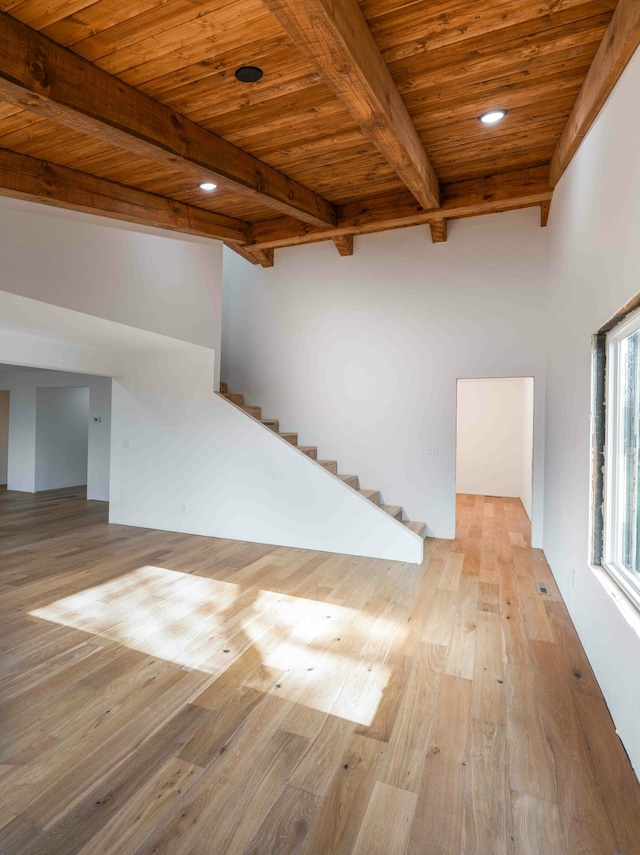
{"points": [[336, 40], [263, 257], [24, 177], [502, 192], [438, 231], [41, 77], [544, 212], [344, 244], [616, 49]]}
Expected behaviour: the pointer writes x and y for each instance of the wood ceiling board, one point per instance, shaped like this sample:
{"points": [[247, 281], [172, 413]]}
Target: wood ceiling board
{"points": [[527, 35], [216, 92], [423, 26], [530, 130], [55, 83], [487, 164], [243, 45], [101, 16], [523, 94], [173, 26], [24, 177], [39, 15], [502, 59]]}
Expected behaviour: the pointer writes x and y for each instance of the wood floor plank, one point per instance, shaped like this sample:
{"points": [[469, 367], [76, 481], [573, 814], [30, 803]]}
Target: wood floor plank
{"points": [[406, 755], [344, 807], [144, 810], [487, 801], [536, 826], [530, 759], [461, 651], [489, 674], [441, 789], [319, 765], [574, 660], [387, 823], [287, 824]]}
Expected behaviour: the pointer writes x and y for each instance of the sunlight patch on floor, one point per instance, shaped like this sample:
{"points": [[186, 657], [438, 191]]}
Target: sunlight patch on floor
{"points": [[331, 657]]}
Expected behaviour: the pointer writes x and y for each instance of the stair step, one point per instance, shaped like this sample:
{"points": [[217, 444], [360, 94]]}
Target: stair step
{"points": [[290, 437], [223, 388], [310, 450], [372, 495], [256, 412], [234, 398], [350, 480], [393, 510], [418, 527], [273, 424], [330, 465]]}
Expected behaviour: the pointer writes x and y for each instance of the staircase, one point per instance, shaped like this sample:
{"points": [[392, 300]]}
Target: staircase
{"points": [[331, 466]]}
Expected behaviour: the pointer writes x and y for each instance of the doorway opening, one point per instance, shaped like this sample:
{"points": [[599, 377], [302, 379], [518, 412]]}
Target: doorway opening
{"points": [[4, 436], [494, 438], [62, 437]]}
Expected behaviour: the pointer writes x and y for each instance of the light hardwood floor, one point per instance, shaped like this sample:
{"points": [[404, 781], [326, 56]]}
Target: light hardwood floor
{"points": [[165, 693]]}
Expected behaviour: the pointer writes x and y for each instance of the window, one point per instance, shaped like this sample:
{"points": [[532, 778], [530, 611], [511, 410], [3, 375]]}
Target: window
{"points": [[621, 517]]}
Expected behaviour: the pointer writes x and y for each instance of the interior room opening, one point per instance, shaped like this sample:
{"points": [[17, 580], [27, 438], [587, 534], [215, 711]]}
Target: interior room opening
{"points": [[494, 438], [62, 437], [4, 435]]}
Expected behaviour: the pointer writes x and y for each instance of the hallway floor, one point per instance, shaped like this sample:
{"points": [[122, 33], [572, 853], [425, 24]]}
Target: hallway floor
{"points": [[167, 693]]}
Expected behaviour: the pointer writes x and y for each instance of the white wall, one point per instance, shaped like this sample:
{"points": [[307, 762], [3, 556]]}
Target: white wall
{"points": [[494, 441], [24, 385], [361, 355], [163, 283], [4, 434], [62, 437], [187, 460], [594, 233]]}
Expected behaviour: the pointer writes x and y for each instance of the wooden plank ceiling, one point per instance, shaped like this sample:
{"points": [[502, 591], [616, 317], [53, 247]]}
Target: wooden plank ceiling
{"points": [[366, 117]]}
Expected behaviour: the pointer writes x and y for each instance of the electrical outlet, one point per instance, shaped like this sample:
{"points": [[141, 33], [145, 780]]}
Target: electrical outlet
{"points": [[125, 443], [432, 450], [183, 509]]}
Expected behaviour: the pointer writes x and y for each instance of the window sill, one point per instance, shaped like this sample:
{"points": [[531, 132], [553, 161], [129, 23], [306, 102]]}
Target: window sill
{"points": [[627, 607]]}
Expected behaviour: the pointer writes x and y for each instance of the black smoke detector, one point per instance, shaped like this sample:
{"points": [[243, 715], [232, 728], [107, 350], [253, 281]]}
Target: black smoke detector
{"points": [[249, 74]]}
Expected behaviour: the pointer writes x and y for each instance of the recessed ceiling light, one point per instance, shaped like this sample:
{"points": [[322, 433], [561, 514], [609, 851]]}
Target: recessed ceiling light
{"points": [[249, 74], [492, 117], [208, 186]]}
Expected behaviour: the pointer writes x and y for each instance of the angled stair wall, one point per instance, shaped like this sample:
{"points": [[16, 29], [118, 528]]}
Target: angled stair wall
{"points": [[331, 466]]}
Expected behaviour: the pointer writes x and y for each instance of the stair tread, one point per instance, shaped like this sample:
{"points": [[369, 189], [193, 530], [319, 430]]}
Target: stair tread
{"points": [[223, 387], [417, 527], [349, 479], [393, 510], [234, 397], [310, 450], [372, 495]]}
